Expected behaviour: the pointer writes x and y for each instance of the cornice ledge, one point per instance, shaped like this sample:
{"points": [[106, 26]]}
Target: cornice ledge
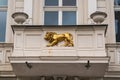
{"points": [[112, 45], [6, 44], [18, 59]]}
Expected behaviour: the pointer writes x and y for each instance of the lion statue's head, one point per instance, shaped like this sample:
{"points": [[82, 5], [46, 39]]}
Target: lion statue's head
{"points": [[49, 36]]}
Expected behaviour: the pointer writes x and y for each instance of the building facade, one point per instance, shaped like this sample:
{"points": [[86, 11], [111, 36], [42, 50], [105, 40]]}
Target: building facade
{"points": [[59, 40]]}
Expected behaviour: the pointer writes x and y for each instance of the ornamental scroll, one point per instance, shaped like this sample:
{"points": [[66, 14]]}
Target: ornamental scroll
{"points": [[53, 38]]}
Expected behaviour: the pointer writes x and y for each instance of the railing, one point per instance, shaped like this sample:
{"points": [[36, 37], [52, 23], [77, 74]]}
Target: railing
{"points": [[113, 51], [5, 52]]}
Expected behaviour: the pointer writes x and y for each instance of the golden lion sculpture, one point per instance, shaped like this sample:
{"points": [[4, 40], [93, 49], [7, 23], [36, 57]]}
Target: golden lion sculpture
{"points": [[55, 38]]}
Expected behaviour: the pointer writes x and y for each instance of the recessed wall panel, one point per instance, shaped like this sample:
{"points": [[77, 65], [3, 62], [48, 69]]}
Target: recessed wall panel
{"points": [[32, 41], [18, 40], [99, 41], [1, 57], [85, 41]]}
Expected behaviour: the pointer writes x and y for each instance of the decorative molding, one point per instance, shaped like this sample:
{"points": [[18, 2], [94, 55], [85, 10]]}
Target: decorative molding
{"points": [[6, 45], [100, 41], [7, 74], [32, 41], [83, 59], [18, 40]]}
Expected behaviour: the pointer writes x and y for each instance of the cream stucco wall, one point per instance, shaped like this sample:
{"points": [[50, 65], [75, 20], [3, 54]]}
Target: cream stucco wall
{"points": [[82, 10]]}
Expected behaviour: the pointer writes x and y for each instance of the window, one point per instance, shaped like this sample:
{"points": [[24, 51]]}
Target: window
{"points": [[117, 25], [60, 12], [2, 25], [3, 15], [117, 19]]}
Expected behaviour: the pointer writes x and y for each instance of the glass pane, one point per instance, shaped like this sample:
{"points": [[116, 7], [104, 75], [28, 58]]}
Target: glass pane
{"points": [[2, 25], [69, 18], [51, 18], [117, 2], [117, 25], [69, 2], [3, 2], [51, 2]]}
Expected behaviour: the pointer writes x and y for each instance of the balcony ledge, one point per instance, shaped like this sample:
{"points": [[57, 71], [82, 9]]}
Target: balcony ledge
{"points": [[57, 26], [42, 65]]}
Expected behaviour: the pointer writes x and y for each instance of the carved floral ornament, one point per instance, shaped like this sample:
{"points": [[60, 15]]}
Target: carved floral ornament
{"points": [[53, 38]]}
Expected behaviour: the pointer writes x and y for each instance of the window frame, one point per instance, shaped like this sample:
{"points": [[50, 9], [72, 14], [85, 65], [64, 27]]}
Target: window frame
{"points": [[60, 8], [81, 8]]}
